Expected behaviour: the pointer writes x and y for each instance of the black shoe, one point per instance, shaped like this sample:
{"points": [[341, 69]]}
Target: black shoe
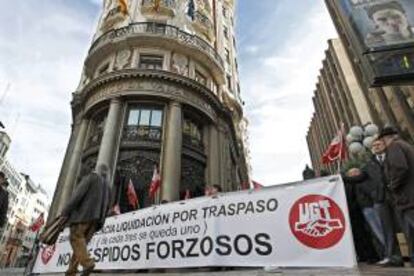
{"points": [[87, 271], [392, 263]]}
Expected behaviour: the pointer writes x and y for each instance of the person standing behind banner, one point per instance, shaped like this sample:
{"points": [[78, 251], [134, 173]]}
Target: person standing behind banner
{"points": [[399, 171], [374, 172], [215, 190], [363, 197], [86, 212], [4, 199]]}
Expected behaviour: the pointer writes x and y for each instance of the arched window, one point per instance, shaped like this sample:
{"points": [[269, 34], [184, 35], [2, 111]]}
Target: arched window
{"points": [[192, 133], [97, 128]]}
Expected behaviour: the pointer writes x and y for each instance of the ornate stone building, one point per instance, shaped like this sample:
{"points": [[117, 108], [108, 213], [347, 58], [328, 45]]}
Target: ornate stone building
{"points": [[159, 88]]}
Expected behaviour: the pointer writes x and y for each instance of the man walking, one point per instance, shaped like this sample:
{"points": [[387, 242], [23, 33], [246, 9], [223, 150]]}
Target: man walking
{"points": [[4, 199], [86, 212], [399, 170]]}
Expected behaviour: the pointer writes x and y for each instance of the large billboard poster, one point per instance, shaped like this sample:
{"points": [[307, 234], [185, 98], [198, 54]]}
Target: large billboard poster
{"points": [[381, 24]]}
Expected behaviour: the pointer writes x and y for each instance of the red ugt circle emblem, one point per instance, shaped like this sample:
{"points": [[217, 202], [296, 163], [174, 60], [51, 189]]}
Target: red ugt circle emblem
{"points": [[317, 221]]}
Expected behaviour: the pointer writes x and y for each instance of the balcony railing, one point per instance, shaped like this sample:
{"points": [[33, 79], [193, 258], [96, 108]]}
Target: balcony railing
{"points": [[142, 133], [162, 30]]}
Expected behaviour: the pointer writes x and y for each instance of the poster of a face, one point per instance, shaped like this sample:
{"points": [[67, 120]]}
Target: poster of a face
{"points": [[381, 23]]}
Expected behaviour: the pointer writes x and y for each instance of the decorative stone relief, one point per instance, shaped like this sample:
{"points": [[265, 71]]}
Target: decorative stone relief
{"points": [[123, 59], [156, 88], [204, 6], [158, 7], [180, 64]]}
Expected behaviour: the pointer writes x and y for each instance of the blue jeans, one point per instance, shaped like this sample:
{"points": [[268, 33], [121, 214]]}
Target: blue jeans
{"points": [[388, 215], [374, 222]]}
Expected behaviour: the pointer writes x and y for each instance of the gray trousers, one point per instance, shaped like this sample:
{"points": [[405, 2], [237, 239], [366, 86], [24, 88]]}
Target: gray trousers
{"points": [[387, 215]]}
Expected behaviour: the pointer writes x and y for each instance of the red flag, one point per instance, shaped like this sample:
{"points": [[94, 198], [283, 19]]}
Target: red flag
{"points": [[257, 185], [38, 223], [336, 150], [132, 195], [187, 194], [155, 183]]}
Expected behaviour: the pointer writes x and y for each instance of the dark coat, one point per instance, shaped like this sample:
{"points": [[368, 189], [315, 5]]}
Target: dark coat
{"points": [[399, 170], [4, 205], [90, 201], [375, 174], [362, 189]]}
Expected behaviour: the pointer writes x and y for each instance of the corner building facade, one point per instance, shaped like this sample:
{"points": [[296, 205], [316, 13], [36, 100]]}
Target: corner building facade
{"points": [[159, 88]]}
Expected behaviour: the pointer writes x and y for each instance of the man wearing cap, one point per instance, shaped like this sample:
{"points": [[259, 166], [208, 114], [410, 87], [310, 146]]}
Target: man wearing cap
{"points": [[4, 199], [399, 171]]}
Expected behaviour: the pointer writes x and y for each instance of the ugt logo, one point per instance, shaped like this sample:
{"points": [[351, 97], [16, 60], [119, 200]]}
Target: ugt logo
{"points": [[317, 221]]}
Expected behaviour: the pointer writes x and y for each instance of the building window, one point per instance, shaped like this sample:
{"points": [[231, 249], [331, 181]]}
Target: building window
{"points": [[224, 10], [152, 62], [227, 52], [144, 124], [97, 129], [192, 134], [229, 86], [226, 32], [199, 77]]}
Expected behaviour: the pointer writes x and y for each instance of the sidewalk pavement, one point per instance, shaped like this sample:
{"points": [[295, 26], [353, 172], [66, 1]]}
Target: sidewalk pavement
{"points": [[363, 270]]}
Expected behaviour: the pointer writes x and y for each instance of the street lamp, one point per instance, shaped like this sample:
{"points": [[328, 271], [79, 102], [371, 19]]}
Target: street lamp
{"points": [[360, 138]]}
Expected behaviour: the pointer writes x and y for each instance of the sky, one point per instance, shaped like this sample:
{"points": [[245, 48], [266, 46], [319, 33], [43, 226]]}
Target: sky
{"points": [[43, 44]]}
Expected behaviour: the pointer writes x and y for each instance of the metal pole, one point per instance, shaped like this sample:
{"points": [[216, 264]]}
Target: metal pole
{"points": [[32, 256]]}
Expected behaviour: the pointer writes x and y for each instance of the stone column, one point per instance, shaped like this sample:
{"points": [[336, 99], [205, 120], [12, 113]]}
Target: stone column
{"points": [[72, 168], [109, 138], [171, 175], [213, 156]]}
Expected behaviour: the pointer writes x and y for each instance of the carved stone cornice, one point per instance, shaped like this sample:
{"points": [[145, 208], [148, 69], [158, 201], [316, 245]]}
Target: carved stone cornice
{"points": [[129, 82]]}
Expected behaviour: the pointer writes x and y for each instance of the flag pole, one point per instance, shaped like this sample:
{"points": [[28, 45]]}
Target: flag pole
{"points": [[342, 130], [34, 252]]}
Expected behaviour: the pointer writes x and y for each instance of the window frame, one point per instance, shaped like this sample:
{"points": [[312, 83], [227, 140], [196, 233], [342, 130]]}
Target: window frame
{"points": [[152, 61], [138, 132]]}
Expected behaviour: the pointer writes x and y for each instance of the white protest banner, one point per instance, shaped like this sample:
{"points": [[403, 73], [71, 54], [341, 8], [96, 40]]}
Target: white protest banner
{"points": [[302, 224]]}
